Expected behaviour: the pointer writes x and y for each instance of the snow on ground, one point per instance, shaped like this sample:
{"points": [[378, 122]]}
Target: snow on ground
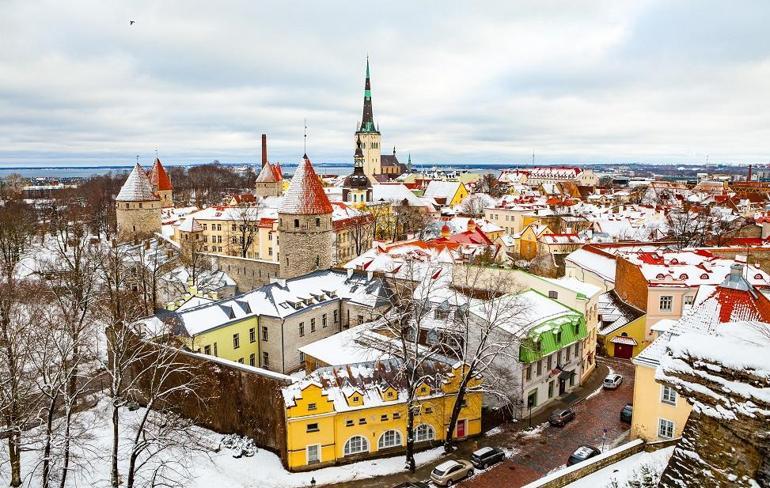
{"points": [[535, 431], [494, 431], [626, 470], [207, 468]]}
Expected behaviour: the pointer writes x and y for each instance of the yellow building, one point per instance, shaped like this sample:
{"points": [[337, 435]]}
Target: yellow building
{"points": [[622, 327], [449, 193], [235, 341], [345, 414]]}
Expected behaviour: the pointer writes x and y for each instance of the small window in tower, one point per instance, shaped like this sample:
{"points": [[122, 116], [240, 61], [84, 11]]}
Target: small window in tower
{"points": [[318, 222], [296, 223], [317, 261]]}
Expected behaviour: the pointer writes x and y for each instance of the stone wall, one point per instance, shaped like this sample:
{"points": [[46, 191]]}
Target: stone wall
{"points": [[137, 219], [305, 247], [247, 273], [726, 440]]}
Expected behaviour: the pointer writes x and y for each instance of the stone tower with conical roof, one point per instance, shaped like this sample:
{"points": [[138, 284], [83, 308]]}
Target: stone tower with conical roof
{"points": [[305, 230], [161, 183], [137, 207], [368, 133]]}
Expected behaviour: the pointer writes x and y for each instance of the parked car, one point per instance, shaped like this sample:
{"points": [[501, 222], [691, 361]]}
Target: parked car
{"points": [[412, 484], [450, 472], [626, 413], [487, 456], [582, 453], [560, 417], [612, 381]]}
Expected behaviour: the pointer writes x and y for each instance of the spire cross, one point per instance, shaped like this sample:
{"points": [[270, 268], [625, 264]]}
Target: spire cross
{"points": [[137, 159], [305, 138]]}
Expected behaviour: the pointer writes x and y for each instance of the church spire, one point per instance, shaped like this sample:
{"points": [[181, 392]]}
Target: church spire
{"points": [[367, 119]]}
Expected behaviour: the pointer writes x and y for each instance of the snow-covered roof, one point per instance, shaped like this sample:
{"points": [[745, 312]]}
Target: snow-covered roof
{"points": [[442, 189], [343, 348], [305, 195], [284, 298], [270, 173], [190, 225], [395, 193], [599, 264], [137, 187]]}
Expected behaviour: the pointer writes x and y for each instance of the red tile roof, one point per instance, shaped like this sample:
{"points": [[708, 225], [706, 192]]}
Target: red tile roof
{"points": [[737, 304], [159, 178], [305, 195]]}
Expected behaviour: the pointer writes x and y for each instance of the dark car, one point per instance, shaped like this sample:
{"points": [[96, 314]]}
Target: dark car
{"points": [[626, 413], [412, 484], [582, 453], [487, 456], [560, 417]]}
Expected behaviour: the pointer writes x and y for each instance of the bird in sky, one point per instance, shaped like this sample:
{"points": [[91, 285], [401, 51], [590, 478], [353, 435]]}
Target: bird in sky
{"points": [[131, 22]]}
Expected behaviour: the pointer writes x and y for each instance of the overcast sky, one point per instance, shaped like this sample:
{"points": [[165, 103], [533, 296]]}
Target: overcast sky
{"points": [[572, 81]]}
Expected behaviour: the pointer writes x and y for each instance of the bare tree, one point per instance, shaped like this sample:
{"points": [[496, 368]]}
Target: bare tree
{"points": [[244, 228], [475, 203], [482, 337], [194, 259], [408, 322], [361, 230], [408, 219], [490, 184], [16, 230], [162, 379], [71, 276]]}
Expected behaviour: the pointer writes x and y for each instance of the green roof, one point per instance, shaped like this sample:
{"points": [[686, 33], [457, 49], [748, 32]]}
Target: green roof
{"points": [[545, 339]]}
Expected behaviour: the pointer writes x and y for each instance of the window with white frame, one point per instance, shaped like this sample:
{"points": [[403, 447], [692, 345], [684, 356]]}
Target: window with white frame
{"points": [[668, 395], [665, 429], [391, 438], [355, 445], [314, 454], [425, 432], [666, 303]]}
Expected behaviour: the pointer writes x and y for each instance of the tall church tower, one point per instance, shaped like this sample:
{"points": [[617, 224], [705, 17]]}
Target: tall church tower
{"points": [[368, 134], [305, 230]]}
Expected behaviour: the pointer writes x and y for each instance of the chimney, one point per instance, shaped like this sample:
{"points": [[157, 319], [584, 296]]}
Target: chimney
{"points": [[749, 178], [471, 225], [264, 149]]}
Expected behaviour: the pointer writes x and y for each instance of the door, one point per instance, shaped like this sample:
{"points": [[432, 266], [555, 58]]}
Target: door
{"points": [[623, 351], [313, 454], [461, 428], [562, 387]]}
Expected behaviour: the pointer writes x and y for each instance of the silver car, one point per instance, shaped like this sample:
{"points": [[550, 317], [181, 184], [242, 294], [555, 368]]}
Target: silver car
{"points": [[450, 472], [612, 381]]}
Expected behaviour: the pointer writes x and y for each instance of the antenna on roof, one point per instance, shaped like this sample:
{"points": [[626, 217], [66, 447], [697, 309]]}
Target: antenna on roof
{"points": [[533, 157], [305, 138], [137, 159], [156, 153]]}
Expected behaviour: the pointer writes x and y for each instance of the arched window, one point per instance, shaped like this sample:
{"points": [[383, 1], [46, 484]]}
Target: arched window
{"points": [[317, 222], [757, 276], [683, 276], [704, 276], [391, 438], [660, 276], [355, 445], [425, 432]]}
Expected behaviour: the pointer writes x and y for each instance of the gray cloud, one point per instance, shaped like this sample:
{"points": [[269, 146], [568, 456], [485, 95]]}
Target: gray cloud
{"points": [[456, 81]]}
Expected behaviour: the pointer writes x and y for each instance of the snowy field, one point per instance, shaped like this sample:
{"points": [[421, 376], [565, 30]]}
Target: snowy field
{"points": [[626, 470], [206, 468]]}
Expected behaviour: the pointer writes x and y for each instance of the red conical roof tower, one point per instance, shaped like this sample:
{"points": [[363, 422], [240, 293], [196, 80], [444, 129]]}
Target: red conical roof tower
{"points": [[159, 178], [305, 195]]}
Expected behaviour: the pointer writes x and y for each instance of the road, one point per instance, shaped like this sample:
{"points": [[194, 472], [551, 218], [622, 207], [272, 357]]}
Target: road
{"points": [[536, 455]]}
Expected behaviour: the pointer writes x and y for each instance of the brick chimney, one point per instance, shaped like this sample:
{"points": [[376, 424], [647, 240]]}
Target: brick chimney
{"points": [[264, 149], [749, 177]]}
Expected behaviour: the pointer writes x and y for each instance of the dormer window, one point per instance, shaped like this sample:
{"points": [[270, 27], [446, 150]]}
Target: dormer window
{"points": [[704, 276], [660, 276], [683, 276], [757, 276]]}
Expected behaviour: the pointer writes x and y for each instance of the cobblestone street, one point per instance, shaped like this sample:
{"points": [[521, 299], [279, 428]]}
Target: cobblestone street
{"points": [[536, 455]]}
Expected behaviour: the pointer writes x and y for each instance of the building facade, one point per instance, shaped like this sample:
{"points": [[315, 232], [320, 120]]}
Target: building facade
{"points": [[137, 207]]}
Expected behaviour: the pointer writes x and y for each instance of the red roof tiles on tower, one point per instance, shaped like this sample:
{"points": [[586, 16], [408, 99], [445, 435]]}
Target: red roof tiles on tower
{"points": [[159, 178], [305, 195]]}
